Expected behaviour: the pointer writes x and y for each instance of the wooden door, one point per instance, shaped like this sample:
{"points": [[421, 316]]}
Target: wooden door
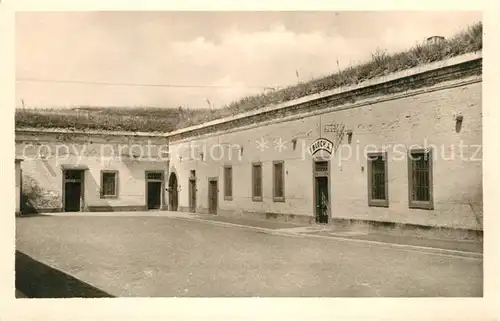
{"points": [[322, 199], [192, 195], [73, 181], [172, 192], [154, 189], [72, 195], [154, 195], [212, 196]]}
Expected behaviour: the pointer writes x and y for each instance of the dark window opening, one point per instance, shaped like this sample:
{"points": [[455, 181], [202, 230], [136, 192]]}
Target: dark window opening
{"points": [[73, 174], [279, 179], [377, 180], [420, 179], [228, 182], [257, 182], [321, 166], [155, 176], [109, 184]]}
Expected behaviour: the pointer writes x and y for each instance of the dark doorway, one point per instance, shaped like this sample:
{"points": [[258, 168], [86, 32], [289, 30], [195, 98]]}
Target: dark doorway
{"points": [[154, 195], [73, 190], [192, 194], [212, 196], [172, 192], [154, 190], [322, 200], [321, 174]]}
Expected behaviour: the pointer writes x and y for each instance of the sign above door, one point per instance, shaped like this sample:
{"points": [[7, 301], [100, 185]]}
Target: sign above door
{"points": [[320, 144]]}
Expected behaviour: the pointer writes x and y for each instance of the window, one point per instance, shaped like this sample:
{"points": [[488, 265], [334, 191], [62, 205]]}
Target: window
{"points": [[109, 184], [257, 181], [378, 194], [321, 166], [420, 179], [73, 175], [228, 183], [154, 176], [279, 181]]}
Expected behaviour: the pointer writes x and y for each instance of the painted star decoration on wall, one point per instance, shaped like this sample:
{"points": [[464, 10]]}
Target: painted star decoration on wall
{"points": [[280, 145], [261, 144]]}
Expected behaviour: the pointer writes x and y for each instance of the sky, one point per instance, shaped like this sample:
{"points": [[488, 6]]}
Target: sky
{"points": [[200, 59]]}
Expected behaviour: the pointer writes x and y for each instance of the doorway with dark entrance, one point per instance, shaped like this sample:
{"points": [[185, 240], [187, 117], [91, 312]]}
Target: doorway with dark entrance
{"points": [[213, 195], [73, 190], [192, 192], [321, 174], [172, 193], [154, 190]]}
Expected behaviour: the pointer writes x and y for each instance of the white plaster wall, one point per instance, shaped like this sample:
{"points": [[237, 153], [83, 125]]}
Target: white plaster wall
{"points": [[426, 118]]}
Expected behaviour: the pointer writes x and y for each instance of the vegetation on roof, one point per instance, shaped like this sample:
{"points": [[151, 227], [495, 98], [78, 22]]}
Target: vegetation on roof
{"points": [[127, 119], [156, 119]]}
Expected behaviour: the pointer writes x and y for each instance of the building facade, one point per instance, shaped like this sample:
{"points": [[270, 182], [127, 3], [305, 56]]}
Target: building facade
{"points": [[405, 148], [91, 171]]}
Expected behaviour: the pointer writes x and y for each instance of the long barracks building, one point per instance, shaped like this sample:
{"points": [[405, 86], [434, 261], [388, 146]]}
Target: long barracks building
{"points": [[404, 148]]}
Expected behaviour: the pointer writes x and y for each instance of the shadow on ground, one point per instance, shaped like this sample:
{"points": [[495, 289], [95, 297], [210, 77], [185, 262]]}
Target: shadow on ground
{"points": [[37, 280]]}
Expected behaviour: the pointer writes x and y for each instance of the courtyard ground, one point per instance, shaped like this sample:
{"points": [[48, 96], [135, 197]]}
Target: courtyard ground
{"points": [[156, 255]]}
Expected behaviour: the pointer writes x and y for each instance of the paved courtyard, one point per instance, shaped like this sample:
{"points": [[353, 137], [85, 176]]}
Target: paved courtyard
{"points": [[167, 256]]}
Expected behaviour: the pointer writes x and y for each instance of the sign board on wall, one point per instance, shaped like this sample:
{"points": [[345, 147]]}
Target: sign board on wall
{"points": [[321, 144], [334, 128]]}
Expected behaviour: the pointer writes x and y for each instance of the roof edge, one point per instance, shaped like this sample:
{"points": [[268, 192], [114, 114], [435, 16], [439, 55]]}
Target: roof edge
{"points": [[88, 132]]}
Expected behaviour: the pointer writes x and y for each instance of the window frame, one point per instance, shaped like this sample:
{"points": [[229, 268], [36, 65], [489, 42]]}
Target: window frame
{"points": [[369, 169], [155, 179], [279, 198], [116, 195], [228, 197], [257, 198], [427, 205]]}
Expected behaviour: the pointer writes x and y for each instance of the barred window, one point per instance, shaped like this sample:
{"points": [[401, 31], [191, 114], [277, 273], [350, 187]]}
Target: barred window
{"points": [[257, 181], [377, 180], [279, 179], [420, 179], [228, 182], [109, 184], [154, 175], [321, 166]]}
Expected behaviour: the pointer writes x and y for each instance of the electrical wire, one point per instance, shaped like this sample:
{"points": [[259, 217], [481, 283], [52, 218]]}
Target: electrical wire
{"points": [[136, 84]]}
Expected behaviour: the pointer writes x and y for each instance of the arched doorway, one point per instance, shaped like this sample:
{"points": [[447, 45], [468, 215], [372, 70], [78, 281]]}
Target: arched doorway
{"points": [[172, 193]]}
